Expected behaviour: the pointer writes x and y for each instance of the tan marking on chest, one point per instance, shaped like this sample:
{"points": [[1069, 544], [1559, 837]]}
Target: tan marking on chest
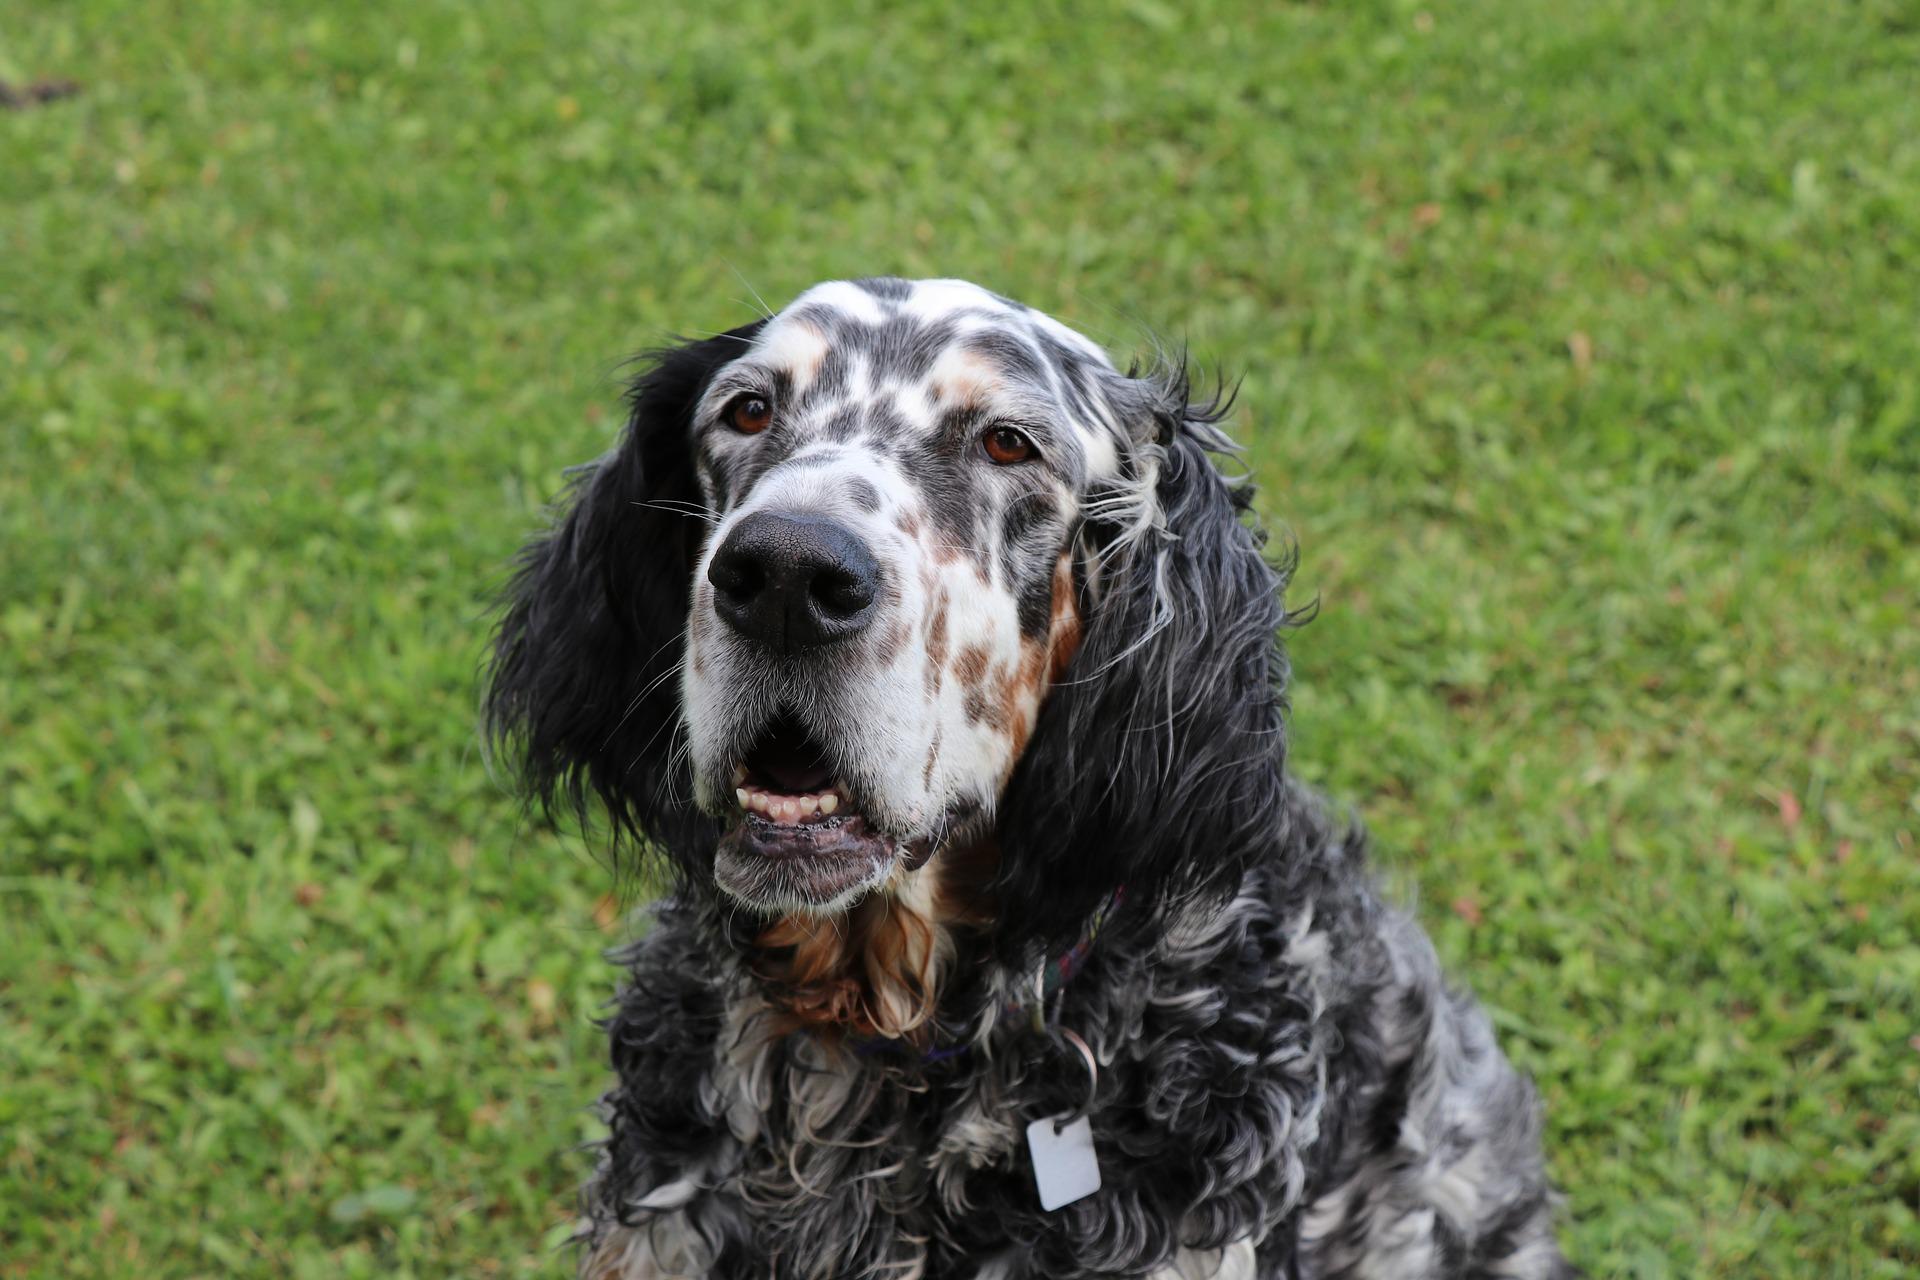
{"points": [[871, 971]]}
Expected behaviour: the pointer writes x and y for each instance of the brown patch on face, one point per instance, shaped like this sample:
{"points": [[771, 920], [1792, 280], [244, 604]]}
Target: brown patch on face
{"points": [[933, 758], [909, 523], [894, 641], [983, 710], [980, 706], [1064, 632], [1042, 664], [970, 383], [1020, 698], [971, 665]]}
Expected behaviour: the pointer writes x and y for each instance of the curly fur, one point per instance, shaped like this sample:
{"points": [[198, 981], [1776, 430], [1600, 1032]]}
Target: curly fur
{"points": [[1287, 1087]]}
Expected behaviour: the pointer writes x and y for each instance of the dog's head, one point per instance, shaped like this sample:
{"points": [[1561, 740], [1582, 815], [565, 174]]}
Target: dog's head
{"points": [[904, 569]]}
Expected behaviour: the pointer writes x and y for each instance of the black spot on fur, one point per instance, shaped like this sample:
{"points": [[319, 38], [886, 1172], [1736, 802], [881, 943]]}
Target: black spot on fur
{"points": [[828, 321], [780, 388], [884, 423], [951, 491], [887, 288], [829, 380], [904, 349], [842, 426], [1027, 557], [863, 495], [1009, 353]]}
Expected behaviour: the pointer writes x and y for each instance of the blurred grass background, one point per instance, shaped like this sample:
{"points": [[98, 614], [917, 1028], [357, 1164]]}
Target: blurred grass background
{"points": [[1582, 357]]}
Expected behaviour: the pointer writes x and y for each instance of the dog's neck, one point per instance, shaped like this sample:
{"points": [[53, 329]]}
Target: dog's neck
{"points": [[876, 969]]}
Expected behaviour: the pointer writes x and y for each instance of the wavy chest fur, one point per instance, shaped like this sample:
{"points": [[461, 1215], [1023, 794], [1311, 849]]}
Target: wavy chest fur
{"points": [[738, 1143]]}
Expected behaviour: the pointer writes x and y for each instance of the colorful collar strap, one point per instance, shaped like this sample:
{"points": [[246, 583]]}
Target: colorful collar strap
{"points": [[1058, 972]]}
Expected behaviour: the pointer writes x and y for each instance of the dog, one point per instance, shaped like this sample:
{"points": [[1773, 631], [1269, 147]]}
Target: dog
{"points": [[938, 661]]}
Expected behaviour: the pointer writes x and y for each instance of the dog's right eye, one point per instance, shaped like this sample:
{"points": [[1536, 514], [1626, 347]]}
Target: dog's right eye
{"points": [[1005, 446], [749, 414]]}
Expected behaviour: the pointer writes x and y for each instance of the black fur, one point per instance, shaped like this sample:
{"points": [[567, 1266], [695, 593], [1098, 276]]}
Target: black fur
{"points": [[582, 694]]}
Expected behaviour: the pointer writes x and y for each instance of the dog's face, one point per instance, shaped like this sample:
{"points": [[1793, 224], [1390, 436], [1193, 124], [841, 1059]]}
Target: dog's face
{"points": [[905, 567], [895, 473]]}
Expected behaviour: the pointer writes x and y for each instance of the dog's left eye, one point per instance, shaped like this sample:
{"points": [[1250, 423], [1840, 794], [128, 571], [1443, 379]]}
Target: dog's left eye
{"points": [[749, 414], [1006, 446]]}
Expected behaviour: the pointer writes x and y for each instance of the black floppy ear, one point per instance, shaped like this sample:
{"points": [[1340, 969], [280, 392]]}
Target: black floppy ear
{"points": [[583, 696], [1156, 762]]}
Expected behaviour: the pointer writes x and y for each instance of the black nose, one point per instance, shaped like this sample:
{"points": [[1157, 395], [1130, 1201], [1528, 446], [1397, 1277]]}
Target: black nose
{"points": [[794, 582]]}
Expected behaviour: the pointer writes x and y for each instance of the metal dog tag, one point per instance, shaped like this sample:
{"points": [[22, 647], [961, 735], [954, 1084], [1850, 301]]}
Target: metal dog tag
{"points": [[1065, 1168]]}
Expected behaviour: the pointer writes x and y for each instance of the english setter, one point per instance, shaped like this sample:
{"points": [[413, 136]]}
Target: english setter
{"points": [[939, 662]]}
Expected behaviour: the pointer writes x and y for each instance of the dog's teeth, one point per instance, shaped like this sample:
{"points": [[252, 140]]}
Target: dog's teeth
{"points": [[788, 809], [739, 776]]}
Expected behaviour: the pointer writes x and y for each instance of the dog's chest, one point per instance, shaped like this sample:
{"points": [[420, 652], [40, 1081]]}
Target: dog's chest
{"points": [[801, 1110], [741, 1147], [829, 1159]]}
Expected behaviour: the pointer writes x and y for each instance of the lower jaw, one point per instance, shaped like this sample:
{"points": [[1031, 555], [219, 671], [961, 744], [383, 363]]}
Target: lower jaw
{"points": [[810, 866], [824, 864]]}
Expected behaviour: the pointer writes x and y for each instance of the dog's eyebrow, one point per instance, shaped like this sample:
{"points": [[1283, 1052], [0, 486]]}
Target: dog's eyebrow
{"points": [[739, 376], [1009, 352], [1036, 415]]}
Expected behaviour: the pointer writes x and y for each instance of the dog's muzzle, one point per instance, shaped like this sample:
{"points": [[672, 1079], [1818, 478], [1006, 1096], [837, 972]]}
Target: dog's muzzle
{"points": [[788, 584]]}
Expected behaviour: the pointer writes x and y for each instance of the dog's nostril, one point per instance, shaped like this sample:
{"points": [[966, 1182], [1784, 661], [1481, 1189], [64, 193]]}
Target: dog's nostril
{"points": [[737, 577], [841, 594]]}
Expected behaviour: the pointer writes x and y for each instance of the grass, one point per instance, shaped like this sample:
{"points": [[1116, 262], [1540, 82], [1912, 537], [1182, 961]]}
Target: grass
{"points": [[1581, 358]]}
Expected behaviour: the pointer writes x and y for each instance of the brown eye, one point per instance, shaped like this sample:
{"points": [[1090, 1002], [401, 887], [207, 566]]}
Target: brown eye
{"points": [[1006, 446], [749, 415]]}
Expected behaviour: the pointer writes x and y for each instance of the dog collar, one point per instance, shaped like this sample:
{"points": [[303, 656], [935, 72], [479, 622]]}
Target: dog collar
{"points": [[1055, 974]]}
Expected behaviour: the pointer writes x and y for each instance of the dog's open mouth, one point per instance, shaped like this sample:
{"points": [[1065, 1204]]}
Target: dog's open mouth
{"points": [[787, 779], [800, 838]]}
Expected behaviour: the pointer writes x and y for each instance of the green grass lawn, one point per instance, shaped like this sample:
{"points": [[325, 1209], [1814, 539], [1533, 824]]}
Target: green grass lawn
{"points": [[1582, 355]]}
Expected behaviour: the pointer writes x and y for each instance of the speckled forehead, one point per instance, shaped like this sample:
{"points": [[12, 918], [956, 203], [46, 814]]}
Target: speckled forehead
{"points": [[937, 347]]}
